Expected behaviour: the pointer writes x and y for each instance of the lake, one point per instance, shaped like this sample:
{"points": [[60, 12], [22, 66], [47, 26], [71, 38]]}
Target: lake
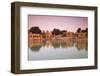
{"points": [[52, 50]]}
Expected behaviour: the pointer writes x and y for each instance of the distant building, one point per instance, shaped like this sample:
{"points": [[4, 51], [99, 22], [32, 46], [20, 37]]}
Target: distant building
{"points": [[48, 35], [70, 35], [64, 35], [82, 35], [33, 36]]}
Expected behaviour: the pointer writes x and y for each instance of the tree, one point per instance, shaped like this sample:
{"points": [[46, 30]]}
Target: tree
{"points": [[83, 30], [86, 29], [35, 30], [79, 30], [86, 32], [56, 32], [63, 33]]}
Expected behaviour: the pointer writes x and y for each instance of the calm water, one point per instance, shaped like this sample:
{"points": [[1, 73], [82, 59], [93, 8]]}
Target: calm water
{"points": [[52, 50]]}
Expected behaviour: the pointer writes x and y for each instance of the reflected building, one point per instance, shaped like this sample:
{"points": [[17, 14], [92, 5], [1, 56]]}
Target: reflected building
{"points": [[69, 44], [55, 44], [82, 44]]}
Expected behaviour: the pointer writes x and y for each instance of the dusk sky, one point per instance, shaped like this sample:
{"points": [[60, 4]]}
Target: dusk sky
{"points": [[68, 23]]}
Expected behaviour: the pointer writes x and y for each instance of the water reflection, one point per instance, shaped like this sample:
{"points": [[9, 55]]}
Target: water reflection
{"points": [[82, 44], [35, 46]]}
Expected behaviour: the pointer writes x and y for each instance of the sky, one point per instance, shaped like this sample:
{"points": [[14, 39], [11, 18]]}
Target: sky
{"points": [[48, 22]]}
